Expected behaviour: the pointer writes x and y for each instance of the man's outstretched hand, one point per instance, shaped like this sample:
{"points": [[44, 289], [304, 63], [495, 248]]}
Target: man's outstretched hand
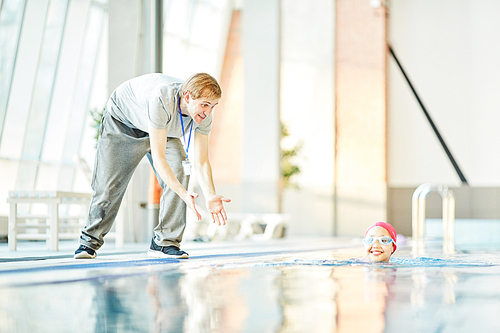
{"points": [[216, 209], [189, 200]]}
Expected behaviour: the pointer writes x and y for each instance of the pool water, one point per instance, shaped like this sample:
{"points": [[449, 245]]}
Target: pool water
{"points": [[469, 233], [327, 290]]}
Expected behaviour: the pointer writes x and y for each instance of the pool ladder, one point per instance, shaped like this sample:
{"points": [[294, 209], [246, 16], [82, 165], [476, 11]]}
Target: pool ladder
{"points": [[418, 216]]}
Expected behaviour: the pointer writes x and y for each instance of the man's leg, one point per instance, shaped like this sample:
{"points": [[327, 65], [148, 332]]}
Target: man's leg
{"points": [[119, 151], [172, 215]]}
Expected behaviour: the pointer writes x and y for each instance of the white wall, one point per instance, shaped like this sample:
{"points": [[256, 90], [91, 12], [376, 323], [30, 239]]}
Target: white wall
{"points": [[450, 50], [261, 129], [307, 108], [124, 32]]}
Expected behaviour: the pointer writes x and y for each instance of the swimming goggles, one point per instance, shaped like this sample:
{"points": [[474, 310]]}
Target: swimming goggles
{"points": [[384, 240]]}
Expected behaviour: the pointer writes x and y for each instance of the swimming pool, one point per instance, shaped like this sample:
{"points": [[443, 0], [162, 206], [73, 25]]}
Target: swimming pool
{"points": [[277, 289], [485, 235]]}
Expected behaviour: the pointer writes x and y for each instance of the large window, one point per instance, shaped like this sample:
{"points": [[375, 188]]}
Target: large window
{"points": [[53, 70], [49, 52], [11, 16], [195, 36]]}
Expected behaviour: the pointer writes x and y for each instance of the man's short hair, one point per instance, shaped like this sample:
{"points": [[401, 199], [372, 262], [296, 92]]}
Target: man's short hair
{"points": [[202, 85]]}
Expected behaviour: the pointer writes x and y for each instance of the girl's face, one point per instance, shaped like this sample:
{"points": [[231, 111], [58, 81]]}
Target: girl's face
{"points": [[378, 251]]}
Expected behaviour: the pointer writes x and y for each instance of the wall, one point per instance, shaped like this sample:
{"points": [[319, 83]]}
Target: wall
{"points": [[449, 50], [360, 160], [307, 109], [226, 136], [261, 129]]}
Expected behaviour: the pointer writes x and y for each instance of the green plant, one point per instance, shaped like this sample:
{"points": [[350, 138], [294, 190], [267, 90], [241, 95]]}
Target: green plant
{"points": [[96, 122], [288, 168]]}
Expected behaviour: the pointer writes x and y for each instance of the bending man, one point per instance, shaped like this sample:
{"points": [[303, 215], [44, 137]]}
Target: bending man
{"points": [[149, 115]]}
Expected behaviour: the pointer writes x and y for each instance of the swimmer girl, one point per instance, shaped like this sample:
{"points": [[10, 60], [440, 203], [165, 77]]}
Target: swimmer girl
{"points": [[380, 241]]}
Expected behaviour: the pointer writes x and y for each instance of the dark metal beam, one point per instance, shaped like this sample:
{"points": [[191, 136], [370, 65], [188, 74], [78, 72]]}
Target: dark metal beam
{"points": [[436, 131]]}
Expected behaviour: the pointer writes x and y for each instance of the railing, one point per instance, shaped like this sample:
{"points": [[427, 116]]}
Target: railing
{"points": [[418, 216], [429, 119]]}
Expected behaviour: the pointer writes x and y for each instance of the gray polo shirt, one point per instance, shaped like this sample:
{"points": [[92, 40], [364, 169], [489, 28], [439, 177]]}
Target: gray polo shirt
{"points": [[153, 98]]}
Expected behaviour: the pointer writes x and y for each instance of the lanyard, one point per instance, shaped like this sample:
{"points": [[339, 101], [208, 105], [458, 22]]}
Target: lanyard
{"points": [[183, 134]]}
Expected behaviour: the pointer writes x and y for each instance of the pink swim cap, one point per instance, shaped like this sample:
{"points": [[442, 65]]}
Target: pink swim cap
{"points": [[387, 227]]}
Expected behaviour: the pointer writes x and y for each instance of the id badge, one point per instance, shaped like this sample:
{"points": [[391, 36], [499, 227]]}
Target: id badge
{"points": [[187, 167]]}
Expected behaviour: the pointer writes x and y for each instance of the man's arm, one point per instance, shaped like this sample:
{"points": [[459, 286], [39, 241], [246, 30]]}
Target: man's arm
{"points": [[203, 168], [158, 142]]}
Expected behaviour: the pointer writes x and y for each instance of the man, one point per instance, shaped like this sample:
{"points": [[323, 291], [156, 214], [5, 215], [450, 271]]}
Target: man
{"points": [[149, 115]]}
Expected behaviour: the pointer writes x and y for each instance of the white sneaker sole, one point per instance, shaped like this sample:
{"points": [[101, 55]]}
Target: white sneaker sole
{"points": [[159, 254], [84, 255]]}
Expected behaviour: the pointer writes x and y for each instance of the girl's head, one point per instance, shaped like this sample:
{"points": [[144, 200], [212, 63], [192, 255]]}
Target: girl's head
{"points": [[380, 241]]}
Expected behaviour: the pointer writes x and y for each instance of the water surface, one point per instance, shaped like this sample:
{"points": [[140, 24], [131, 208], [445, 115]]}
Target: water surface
{"points": [[317, 291]]}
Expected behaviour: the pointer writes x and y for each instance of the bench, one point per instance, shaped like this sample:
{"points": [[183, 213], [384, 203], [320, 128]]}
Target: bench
{"points": [[65, 216], [252, 226]]}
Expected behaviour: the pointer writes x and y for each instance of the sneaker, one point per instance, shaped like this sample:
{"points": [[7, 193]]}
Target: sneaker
{"points": [[171, 251], [85, 252]]}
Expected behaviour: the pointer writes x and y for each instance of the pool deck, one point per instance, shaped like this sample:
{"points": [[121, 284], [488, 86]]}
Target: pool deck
{"points": [[31, 255]]}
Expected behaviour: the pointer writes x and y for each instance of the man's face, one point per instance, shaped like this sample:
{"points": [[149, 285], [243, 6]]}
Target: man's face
{"points": [[200, 108], [378, 251]]}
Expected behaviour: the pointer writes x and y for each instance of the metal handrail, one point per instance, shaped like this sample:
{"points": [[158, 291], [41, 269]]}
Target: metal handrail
{"points": [[418, 216]]}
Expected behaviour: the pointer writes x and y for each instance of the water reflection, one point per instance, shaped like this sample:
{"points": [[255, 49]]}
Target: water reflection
{"points": [[111, 308], [451, 280], [279, 295], [362, 297], [259, 299], [307, 298], [214, 300], [168, 307]]}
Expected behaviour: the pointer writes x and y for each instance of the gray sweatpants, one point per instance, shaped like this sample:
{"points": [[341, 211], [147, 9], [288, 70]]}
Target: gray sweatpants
{"points": [[119, 151]]}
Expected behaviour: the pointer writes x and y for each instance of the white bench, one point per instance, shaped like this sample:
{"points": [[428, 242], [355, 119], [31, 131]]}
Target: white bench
{"points": [[272, 226], [54, 220]]}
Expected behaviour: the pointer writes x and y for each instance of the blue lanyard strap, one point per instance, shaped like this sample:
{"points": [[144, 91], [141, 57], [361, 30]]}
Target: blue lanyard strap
{"points": [[183, 134]]}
